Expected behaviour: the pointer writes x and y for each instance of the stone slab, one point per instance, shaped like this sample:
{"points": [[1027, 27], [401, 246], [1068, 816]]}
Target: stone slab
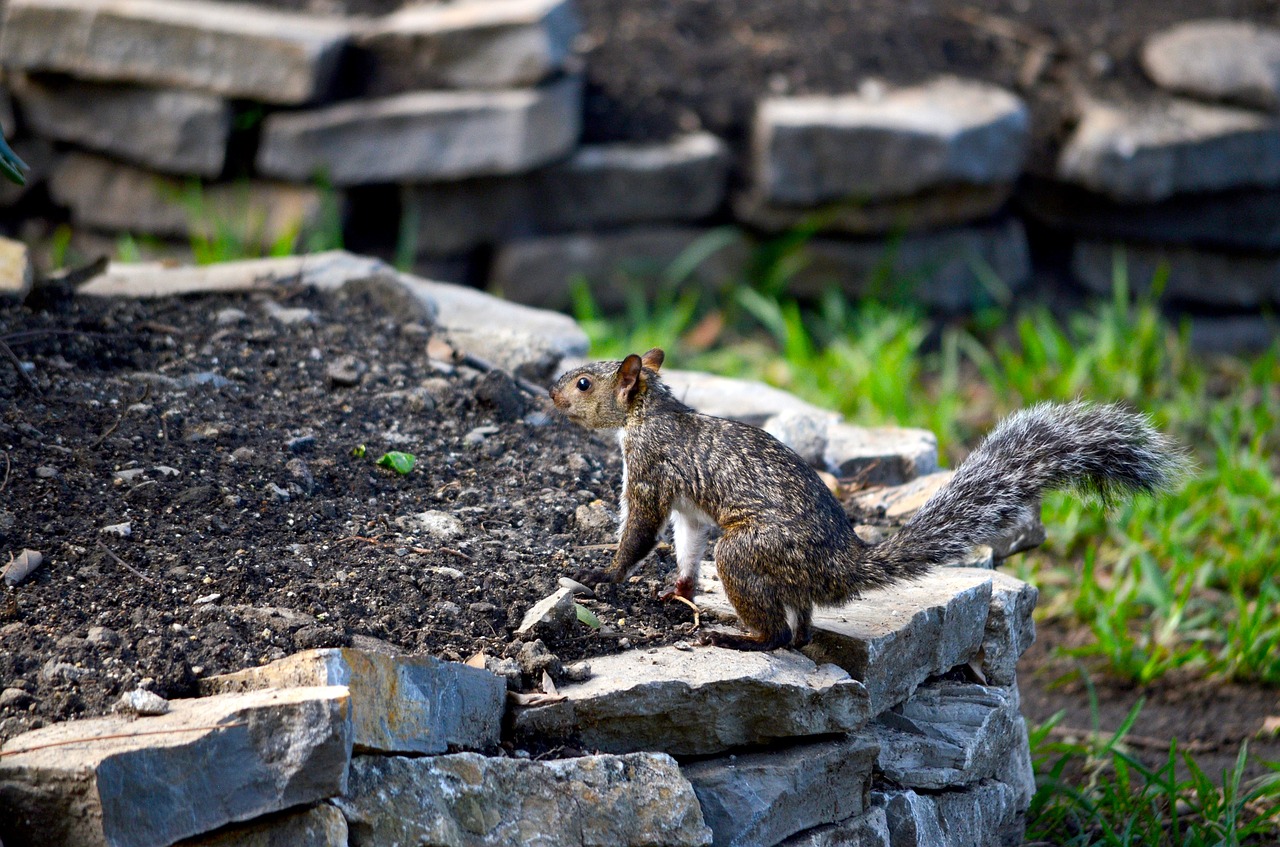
{"points": [[895, 638], [743, 400], [1211, 277], [1227, 60], [1010, 628], [870, 829], [949, 270], [1234, 334], [762, 798], [105, 194], [1152, 151], [170, 130], [542, 271], [234, 50], [466, 800], [948, 735], [321, 825], [881, 144], [699, 701], [941, 207], [467, 44], [399, 704], [16, 271], [104, 783], [887, 455], [599, 186], [424, 136]]}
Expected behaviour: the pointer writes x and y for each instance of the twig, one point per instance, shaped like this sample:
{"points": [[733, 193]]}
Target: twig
{"points": [[697, 613], [119, 735], [119, 561], [17, 366], [6, 470], [457, 553]]}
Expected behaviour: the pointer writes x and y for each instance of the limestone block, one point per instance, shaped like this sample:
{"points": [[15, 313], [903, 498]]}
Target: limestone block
{"points": [[939, 207], [1010, 627], [466, 800], [399, 704], [316, 826], [1242, 219], [1217, 60], [181, 132], [229, 49], [882, 144], [107, 195], [508, 335], [699, 701], [16, 270], [205, 763], [423, 136], [948, 270], [869, 829], [1146, 153], [882, 454], [542, 271], [895, 638], [467, 44], [805, 434], [601, 185], [740, 399], [948, 735], [1212, 277], [761, 798]]}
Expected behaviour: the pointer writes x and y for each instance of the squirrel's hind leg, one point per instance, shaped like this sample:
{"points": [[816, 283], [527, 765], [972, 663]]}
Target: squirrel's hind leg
{"points": [[761, 609]]}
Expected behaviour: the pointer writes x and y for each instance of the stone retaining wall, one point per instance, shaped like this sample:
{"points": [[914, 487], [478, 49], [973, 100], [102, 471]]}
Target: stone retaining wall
{"points": [[454, 128], [899, 725]]}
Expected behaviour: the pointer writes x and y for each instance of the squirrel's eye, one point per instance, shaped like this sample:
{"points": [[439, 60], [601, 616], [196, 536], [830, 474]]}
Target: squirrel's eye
{"points": [[584, 384]]}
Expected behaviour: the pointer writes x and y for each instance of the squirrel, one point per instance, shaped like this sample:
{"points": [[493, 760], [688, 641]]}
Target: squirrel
{"points": [[786, 544]]}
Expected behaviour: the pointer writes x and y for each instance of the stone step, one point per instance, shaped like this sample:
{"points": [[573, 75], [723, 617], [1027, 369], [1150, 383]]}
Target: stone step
{"points": [[933, 209], [1149, 152], [472, 801], [149, 781], [424, 136], [1225, 279], [1227, 60], [399, 704], [467, 44], [699, 701], [599, 186], [104, 194], [762, 798], [892, 639], [321, 825], [882, 144], [234, 50], [165, 129]]}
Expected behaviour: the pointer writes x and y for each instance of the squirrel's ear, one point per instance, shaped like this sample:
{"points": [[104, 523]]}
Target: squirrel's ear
{"points": [[653, 359], [628, 378]]}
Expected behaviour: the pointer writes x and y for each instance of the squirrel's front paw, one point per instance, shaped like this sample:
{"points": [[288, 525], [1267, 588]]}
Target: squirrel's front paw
{"points": [[591, 577]]}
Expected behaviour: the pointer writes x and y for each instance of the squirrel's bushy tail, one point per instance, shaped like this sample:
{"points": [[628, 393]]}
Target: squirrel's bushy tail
{"points": [[1103, 450]]}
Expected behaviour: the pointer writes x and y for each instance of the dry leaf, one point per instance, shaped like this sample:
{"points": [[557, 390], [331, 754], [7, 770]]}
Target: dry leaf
{"points": [[534, 698], [479, 660], [548, 685], [21, 567]]}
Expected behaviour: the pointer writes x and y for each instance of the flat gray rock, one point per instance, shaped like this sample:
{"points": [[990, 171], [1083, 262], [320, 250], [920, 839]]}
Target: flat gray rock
{"points": [[743, 400], [882, 454], [949, 270], [1010, 628], [699, 701], [869, 829], [882, 144], [207, 762], [104, 194], [1227, 60], [892, 639], [599, 186], [230, 50], [170, 130], [761, 798], [948, 735], [1149, 152], [1238, 281], [541, 271], [424, 136], [468, 44], [399, 704], [321, 825], [944, 206], [466, 800]]}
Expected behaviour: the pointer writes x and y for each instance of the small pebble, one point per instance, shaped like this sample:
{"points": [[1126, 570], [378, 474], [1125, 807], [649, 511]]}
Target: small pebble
{"points": [[120, 530], [46, 472], [142, 703]]}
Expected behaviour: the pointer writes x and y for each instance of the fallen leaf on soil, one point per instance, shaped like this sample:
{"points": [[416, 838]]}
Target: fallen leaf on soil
{"points": [[20, 568], [586, 616], [399, 462], [477, 661]]}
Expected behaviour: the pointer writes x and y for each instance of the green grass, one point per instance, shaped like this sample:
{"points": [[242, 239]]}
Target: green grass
{"points": [[1186, 581]]}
